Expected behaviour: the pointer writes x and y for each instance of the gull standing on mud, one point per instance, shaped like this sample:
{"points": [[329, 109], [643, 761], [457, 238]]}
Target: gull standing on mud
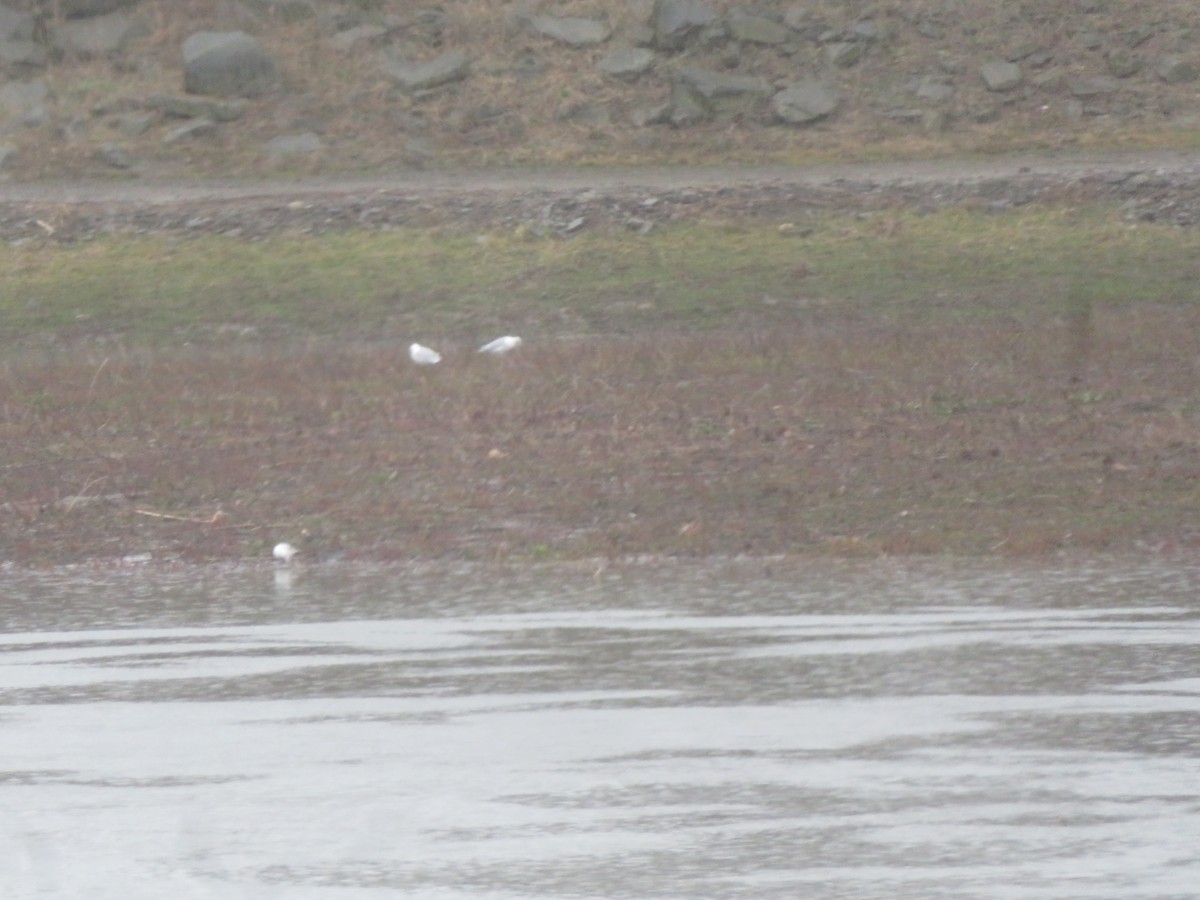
{"points": [[424, 356], [501, 344], [284, 552]]}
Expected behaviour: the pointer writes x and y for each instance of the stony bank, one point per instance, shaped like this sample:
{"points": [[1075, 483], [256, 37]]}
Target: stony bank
{"points": [[191, 88]]}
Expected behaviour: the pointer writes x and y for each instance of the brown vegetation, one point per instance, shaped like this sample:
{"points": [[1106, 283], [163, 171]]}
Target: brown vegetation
{"points": [[856, 439]]}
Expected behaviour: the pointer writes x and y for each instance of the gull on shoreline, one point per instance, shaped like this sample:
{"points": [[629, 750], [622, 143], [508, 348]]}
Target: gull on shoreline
{"points": [[501, 345], [424, 356], [284, 552]]}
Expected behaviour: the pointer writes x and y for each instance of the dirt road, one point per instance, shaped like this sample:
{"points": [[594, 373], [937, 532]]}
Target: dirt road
{"points": [[1153, 185]]}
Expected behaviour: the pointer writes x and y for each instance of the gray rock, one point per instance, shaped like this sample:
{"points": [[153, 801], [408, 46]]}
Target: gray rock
{"points": [[949, 63], [865, 30], [627, 62], [135, 124], [8, 155], [678, 21], [586, 114], [1049, 80], [935, 121], [723, 95], [1022, 51], [798, 17], [73, 128], [1000, 75], [1095, 86], [227, 64], [344, 41], [77, 9], [1091, 40], [640, 36], [114, 155], [99, 36], [929, 27], [428, 25], [25, 102], [1123, 62], [754, 29], [651, 115], [196, 107], [1135, 37], [845, 54], [804, 102], [17, 45], [22, 53], [289, 11], [686, 107], [1174, 70], [420, 76], [934, 89], [286, 145], [15, 26], [573, 32], [192, 129]]}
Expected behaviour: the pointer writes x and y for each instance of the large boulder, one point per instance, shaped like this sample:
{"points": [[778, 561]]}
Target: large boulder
{"points": [[804, 102], [227, 64]]}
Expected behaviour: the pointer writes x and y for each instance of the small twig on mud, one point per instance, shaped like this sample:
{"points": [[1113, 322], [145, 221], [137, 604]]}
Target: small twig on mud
{"points": [[217, 518], [71, 501], [214, 519], [96, 377]]}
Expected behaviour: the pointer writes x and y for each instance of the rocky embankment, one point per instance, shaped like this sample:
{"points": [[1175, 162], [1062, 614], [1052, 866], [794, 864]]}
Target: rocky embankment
{"points": [[152, 87]]}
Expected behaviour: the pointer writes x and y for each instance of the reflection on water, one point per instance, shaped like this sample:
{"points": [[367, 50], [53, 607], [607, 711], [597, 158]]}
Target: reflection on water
{"points": [[657, 730]]}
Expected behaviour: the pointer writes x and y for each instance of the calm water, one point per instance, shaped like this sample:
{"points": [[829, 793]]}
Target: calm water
{"points": [[868, 730]]}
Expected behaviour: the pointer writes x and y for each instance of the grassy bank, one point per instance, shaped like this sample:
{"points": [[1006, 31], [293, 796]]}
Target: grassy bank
{"points": [[953, 266], [963, 382]]}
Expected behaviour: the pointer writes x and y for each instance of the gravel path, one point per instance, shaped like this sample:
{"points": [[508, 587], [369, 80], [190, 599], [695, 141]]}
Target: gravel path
{"points": [[1158, 186]]}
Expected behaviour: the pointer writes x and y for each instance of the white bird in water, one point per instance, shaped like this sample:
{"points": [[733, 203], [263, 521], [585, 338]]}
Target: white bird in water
{"points": [[424, 356], [284, 552], [501, 344]]}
